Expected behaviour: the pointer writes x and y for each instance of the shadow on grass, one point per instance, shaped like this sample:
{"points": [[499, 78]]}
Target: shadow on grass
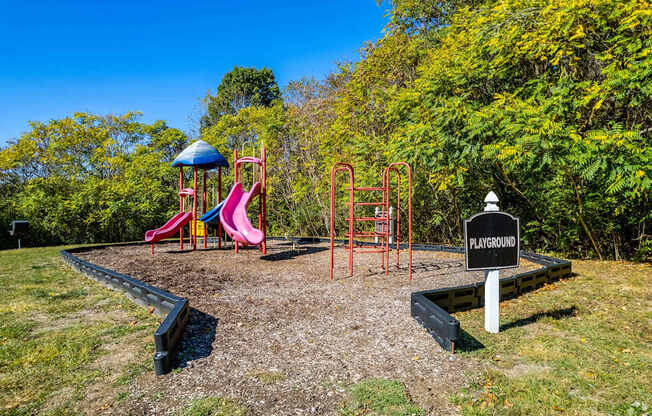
{"points": [[554, 314], [467, 342], [290, 254], [197, 339]]}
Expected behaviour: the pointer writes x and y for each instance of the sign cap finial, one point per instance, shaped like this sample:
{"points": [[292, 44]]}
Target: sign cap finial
{"points": [[491, 198]]}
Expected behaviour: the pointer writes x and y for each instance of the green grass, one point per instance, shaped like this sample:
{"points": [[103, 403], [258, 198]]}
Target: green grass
{"points": [[379, 396], [579, 346], [267, 377], [214, 406], [53, 331]]}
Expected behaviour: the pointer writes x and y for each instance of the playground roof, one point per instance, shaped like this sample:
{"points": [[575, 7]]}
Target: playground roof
{"points": [[202, 155]]}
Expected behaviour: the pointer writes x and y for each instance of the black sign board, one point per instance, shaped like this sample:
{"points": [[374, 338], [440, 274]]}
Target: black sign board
{"points": [[491, 241], [19, 227]]}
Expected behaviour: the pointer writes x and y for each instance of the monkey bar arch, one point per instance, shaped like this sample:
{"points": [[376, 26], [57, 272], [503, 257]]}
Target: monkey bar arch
{"points": [[384, 219]]}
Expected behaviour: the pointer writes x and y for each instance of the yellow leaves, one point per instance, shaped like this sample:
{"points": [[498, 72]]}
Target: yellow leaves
{"points": [[442, 181], [558, 56], [508, 152], [579, 33], [598, 104]]}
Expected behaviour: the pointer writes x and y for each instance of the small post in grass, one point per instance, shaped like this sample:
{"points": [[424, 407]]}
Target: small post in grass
{"points": [[491, 285]]}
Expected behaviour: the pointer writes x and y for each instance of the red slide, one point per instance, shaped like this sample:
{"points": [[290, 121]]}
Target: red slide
{"points": [[169, 229]]}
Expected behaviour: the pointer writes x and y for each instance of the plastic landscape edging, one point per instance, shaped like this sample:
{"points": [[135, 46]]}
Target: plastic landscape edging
{"points": [[175, 309], [430, 308]]}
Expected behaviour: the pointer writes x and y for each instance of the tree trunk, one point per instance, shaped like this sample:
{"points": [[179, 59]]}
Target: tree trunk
{"points": [[581, 218]]}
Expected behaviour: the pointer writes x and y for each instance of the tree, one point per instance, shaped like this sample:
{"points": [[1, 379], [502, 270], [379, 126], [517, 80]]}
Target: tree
{"points": [[240, 88], [90, 178]]}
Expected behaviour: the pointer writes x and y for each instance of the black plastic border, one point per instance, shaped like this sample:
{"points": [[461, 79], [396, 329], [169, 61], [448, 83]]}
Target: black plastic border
{"points": [[432, 308], [176, 309]]}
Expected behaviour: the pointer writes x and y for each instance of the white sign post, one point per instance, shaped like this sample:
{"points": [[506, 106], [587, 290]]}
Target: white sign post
{"points": [[491, 285]]}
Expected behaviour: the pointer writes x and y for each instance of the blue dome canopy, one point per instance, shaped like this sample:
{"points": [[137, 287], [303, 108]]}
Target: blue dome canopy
{"points": [[202, 155]]}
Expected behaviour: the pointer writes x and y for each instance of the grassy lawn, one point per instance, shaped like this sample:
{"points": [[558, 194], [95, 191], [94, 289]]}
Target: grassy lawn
{"points": [[213, 406], [379, 396], [64, 338], [582, 346], [579, 346]]}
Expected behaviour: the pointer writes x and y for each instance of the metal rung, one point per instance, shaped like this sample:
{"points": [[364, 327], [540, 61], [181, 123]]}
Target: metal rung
{"points": [[368, 219], [368, 234], [368, 188], [369, 251], [366, 203]]}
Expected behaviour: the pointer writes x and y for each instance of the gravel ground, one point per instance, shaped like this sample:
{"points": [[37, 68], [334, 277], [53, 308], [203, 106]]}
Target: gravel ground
{"points": [[275, 333]]}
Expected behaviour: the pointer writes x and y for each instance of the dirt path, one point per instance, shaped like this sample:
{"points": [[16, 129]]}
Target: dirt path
{"points": [[275, 333]]}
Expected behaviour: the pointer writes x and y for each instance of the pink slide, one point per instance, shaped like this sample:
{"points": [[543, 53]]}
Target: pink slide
{"points": [[169, 229], [234, 217]]}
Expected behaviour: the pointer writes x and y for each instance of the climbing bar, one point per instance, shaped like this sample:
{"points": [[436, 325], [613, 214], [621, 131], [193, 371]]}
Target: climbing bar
{"points": [[368, 188], [368, 234], [367, 203], [382, 250], [368, 219]]}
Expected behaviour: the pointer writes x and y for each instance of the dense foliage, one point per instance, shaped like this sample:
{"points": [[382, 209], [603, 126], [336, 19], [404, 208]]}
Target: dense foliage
{"points": [[89, 178], [546, 102], [240, 88]]}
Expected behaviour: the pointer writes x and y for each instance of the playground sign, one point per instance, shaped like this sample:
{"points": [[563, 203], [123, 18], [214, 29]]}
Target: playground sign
{"points": [[491, 241]]}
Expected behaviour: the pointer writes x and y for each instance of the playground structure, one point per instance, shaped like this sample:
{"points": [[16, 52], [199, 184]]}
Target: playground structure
{"points": [[229, 214], [382, 232], [199, 155]]}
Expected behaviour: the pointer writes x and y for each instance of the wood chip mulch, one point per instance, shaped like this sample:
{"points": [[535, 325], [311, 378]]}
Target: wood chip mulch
{"points": [[275, 333]]}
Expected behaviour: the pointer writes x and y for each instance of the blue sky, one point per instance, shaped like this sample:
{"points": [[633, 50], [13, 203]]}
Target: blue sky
{"points": [[161, 57]]}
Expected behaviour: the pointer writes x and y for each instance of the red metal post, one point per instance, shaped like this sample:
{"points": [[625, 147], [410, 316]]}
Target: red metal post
{"points": [[398, 219], [262, 190], [180, 206], [387, 176], [385, 238], [410, 217], [219, 199], [235, 180], [204, 211], [264, 196], [351, 220], [394, 166], [336, 168], [194, 208], [332, 218]]}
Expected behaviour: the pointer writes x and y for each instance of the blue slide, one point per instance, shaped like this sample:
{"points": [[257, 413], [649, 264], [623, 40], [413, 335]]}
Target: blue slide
{"points": [[213, 216]]}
